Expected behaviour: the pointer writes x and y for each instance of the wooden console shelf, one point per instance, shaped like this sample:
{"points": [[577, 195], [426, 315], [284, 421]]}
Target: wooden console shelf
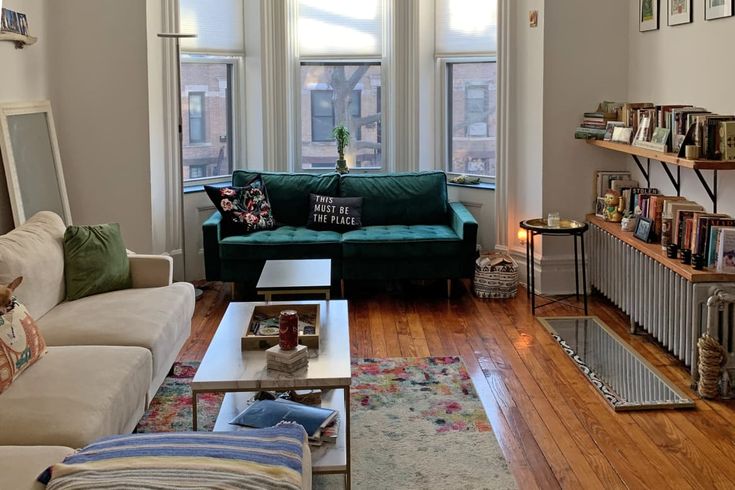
{"points": [[654, 251], [19, 39], [670, 158]]}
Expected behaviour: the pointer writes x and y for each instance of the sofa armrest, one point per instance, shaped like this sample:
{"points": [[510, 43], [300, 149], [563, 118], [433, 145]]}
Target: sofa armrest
{"points": [[151, 271], [210, 241], [463, 223]]}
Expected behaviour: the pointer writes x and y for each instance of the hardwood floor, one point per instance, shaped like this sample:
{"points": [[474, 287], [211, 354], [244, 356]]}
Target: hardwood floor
{"points": [[553, 427]]}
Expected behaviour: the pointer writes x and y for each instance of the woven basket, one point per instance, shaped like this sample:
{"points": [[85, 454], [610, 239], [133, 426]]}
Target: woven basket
{"points": [[496, 276]]}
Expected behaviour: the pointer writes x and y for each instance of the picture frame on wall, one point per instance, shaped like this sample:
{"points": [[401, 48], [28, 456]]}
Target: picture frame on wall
{"points": [[717, 9], [680, 12], [648, 15]]}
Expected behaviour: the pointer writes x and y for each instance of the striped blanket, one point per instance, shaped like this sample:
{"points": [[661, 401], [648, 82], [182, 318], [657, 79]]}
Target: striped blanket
{"points": [[258, 458]]}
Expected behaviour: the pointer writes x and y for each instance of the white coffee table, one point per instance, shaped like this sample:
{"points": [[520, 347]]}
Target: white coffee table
{"points": [[237, 373], [303, 276]]}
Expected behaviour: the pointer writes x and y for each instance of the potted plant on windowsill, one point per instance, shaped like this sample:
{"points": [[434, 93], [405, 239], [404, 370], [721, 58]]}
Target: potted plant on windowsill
{"points": [[342, 136]]}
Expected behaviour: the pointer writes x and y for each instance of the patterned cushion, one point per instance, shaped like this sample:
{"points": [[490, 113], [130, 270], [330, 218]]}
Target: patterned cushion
{"points": [[21, 344], [334, 213], [244, 209], [258, 458]]}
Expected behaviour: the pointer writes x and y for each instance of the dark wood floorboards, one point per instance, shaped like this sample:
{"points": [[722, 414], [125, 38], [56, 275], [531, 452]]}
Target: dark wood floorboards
{"points": [[553, 427]]}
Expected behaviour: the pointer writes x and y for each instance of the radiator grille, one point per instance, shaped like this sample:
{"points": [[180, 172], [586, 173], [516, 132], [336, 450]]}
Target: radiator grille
{"points": [[657, 299], [721, 317]]}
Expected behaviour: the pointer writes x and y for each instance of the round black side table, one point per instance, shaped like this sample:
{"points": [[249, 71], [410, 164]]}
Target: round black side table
{"points": [[566, 227]]}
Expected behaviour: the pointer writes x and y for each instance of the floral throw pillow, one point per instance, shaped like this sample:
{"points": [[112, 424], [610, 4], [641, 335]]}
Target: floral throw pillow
{"points": [[244, 209], [21, 344]]}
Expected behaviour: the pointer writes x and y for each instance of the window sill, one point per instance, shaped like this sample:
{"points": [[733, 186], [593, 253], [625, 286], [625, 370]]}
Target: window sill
{"points": [[194, 188], [487, 186]]}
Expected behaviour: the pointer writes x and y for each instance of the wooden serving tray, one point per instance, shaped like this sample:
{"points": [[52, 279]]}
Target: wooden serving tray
{"points": [[253, 341]]}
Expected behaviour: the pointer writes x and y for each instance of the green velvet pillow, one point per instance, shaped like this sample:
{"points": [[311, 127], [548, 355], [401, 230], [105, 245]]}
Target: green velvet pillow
{"points": [[95, 260]]}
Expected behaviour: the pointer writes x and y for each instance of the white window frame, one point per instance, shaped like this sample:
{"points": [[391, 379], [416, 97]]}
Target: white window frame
{"points": [[442, 97], [298, 101], [237, 61]]}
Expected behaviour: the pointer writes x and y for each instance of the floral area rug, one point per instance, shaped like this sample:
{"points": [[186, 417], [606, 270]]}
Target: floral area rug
{"points": [[416, 423], [170, 409]]}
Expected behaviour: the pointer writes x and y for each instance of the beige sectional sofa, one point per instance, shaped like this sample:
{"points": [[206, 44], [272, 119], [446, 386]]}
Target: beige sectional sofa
{"points": [[107, 356]]}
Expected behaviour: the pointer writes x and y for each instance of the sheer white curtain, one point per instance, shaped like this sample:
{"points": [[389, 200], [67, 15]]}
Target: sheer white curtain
{"points": [[279, 64], [402, 70]]}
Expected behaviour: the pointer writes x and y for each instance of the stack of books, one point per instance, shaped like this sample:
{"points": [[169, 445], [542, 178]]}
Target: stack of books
{"points": [[594, 124], [288, 361]]}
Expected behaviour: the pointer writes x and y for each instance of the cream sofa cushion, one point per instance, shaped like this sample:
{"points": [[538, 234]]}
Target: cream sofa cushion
{"points": [[21, 465], [74, 395], [35, 250], [154, 318]]}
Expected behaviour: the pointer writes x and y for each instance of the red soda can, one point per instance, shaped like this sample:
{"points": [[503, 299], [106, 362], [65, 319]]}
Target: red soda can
{"points": [[288, 329]]}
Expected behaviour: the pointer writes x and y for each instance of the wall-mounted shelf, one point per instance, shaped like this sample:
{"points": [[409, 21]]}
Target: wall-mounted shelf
{"points": [[19, 39], [671, 159], [655, 252]]}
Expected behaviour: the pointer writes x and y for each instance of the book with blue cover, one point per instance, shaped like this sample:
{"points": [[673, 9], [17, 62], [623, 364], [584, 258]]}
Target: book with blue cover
{"points": [[267, 413]]}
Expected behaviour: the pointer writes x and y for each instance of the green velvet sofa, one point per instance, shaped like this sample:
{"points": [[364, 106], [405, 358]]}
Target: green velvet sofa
{"points": [[410, 230]]}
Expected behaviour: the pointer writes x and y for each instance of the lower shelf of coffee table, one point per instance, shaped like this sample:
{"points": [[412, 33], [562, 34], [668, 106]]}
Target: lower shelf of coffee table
{"points": [[327, 458]]}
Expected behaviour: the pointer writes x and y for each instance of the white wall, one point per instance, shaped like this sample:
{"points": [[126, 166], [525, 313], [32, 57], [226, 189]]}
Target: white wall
{"points": [[557, 72], [577, 76], [481, 203], [99, 71], [686, 64], [525, 64], [23, 77]]}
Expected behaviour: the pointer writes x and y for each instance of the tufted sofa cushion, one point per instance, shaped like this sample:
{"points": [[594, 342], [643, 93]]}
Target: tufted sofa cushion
{"points": [[286, 242], [399, 199], [401, 241]]}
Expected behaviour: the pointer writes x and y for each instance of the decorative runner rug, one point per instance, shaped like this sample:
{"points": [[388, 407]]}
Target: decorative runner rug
{"points": [[416, 423]]}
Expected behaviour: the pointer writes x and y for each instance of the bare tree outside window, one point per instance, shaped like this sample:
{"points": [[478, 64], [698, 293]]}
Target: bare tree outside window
{"points": [[340, 93]]}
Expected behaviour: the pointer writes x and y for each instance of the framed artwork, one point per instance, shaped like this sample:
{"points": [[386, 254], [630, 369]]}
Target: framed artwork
{"points": [[648, 15], [717, 9], [680, 12], [600, 207], [644, 229]]}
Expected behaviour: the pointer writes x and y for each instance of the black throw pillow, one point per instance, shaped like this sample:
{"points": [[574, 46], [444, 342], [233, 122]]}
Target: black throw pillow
{"points": [[244, 209], [334, 213]]}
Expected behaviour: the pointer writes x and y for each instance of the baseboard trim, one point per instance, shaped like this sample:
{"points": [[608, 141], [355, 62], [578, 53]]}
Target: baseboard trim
{"points": [[554, 275]]}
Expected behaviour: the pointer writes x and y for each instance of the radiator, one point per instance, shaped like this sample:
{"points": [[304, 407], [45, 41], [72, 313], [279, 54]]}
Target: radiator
{"points": [[661, 302], [721, 320]]}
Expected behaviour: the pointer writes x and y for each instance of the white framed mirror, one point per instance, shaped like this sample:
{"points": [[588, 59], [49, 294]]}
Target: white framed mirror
{"points": [[30, 154]]}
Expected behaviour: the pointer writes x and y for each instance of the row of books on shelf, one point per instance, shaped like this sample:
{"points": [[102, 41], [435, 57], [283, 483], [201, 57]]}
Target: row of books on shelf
{"points": [[665, 128], [673, 219]]}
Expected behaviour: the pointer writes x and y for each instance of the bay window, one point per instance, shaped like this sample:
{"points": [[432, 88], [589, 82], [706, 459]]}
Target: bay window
{"points": [[466, 41], [210, 87], [340, 53]]}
